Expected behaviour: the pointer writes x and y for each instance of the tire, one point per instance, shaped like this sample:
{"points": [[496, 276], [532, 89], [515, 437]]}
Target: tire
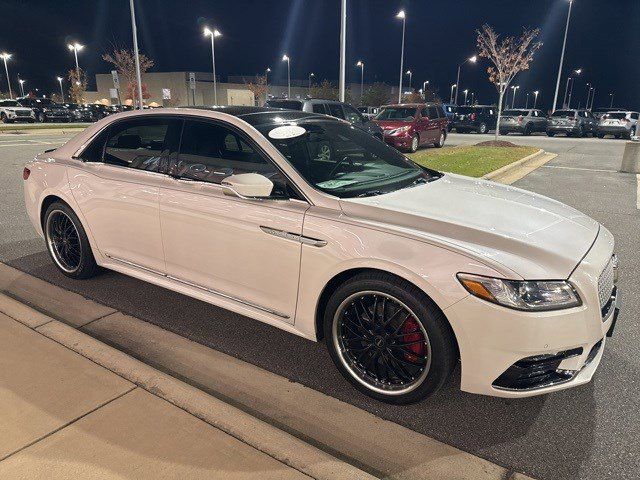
{"points": [[503, 133], [387, 375], [551, 134], [581, 132], [527, 131], [441, 140], [60, 223], [4, 118], [40, 117], [415, 143], [600, 135], [482, 128], [617, 135]]}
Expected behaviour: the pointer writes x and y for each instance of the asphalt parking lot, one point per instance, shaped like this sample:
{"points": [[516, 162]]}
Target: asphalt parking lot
{"points": [[591, 432]]}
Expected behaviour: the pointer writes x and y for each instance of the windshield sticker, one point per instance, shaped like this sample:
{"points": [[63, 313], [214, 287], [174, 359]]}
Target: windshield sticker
{"points": [[336, 183], [287, 132]]}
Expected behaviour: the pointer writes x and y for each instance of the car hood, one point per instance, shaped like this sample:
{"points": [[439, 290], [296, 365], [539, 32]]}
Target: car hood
{"points": [[391, 124], [533, 236], [17, 109]]}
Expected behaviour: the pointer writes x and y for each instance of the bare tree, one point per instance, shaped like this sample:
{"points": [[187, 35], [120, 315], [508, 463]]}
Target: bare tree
{"points": [[125, 62], [324, 91], [78, 85], [259, 88], [510, 56], [376, 95]]}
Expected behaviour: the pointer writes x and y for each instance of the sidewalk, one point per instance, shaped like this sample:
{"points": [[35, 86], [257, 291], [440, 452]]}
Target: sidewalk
{"points": [[66, 417]]}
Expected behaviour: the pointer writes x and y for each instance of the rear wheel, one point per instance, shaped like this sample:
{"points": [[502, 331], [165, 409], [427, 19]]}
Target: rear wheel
{"points": [[600, 135], [388, 339], [441, 140], [550, 134], [3, 117], [482, 128], [617, 135], [67, 242], [415, 142], [527, 130]]}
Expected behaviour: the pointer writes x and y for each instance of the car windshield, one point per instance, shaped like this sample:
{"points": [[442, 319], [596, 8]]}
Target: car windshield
{"points": [[9, 103], [287, 104], [616, 115], [401, 114], [342, 160], [516, 113], [564, 114]]}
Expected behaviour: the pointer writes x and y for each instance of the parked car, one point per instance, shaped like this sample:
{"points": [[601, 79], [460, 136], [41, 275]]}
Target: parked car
{"points": [[401, 270], [477, 118], [523, 120], [619, 124], [573, 123], [12, 111], [369, 112], [333, 108], [450, 111], [46, 110], [408, 126], [92, 112], [600, 111]]}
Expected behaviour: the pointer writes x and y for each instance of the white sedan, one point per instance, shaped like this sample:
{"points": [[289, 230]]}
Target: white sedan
{"points": [[308, 224]]}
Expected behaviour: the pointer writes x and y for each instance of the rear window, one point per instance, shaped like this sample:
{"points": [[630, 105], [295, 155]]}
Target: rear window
{"points": [[616, 115], [516, 113], [564, 113], [287, 104]]}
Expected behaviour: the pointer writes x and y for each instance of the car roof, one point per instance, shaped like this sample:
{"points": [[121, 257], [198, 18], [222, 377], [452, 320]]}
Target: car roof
{"points": [[261, 115], [411, 105]]}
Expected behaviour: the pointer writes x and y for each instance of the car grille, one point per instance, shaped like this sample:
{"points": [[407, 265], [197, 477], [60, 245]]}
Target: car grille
{"points": [[606, 283]]}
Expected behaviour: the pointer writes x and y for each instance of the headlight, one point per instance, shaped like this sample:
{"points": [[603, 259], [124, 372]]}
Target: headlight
{"points": [[400, 130], [536, 295]]}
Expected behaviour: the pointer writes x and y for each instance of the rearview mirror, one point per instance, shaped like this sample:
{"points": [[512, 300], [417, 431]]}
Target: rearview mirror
{"points": [[247, 186]]}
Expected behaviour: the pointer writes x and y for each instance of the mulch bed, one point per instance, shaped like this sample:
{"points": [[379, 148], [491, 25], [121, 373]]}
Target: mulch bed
{"points": [[496, 143]]}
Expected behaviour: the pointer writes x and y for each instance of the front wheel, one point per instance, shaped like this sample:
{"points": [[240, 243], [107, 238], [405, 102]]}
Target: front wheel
{"points": [[67, 242], [551, 134], [441, 140], [388, 339], [40, 118], [415, 141], [482, 128]]}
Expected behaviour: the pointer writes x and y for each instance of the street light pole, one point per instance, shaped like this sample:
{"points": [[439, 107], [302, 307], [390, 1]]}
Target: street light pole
{"points": [[535, 100], [135, 51], [285, 58], [75, 48], [470, 59], [566, 92], [343, 50], [465, 91], [61, 90], [310, 75], [612, 94], [21, 82], [473, 97], [454, 85], [577, 72], [593, 96], [513, 100], [361, 65], [266, 83], [527, 104], [410, 78], [564, 45], [6, 56], [403, 17], [213, 34]]}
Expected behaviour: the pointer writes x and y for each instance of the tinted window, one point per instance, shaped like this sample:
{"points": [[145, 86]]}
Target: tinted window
{"points": [[335, 110], [288, 104], [319, 108], [210, 152], [432, 112], [564, 113], [617, 115], [516, 113], [634, 116], [466, 110], [139, 144], [9, 103], [352, 115], [95, 150]]}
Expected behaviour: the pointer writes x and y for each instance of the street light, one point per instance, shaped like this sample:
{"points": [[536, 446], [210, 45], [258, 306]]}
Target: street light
{"points": [[527, 103], [566, 102], [564, 46], [61, 90], [465, 91], [470, 59], [473, 97], [361, 65], [535, 100], [213, 34], [6, 56], [75, 48], [21, 82], [266, 83], [310, 75], [515, 90], [611, 95], [410, 77], [401, 15], [454, 85], [285, 58]]}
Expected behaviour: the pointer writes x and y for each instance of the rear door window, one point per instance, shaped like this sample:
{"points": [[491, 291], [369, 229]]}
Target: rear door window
{"points": [[319, 108], [432, 112], [335, 110]]}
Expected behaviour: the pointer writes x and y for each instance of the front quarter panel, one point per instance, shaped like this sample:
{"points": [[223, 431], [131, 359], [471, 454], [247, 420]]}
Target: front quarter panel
{"points": [[350, 246]]}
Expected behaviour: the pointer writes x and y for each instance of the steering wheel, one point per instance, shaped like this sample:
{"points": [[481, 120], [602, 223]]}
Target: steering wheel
{"points": [[340, 162]]}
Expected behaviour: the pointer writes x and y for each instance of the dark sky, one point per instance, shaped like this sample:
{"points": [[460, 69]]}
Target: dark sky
{"points": [[604, 39]]}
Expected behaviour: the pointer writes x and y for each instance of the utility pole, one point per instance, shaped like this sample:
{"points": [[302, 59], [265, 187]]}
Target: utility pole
{"points": [[343, 49], [564, 46], [135, 51]]}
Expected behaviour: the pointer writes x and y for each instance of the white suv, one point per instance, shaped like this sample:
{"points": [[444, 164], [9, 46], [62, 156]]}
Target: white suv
{"points": [[12, 111], [619, 124], [401, 270]]}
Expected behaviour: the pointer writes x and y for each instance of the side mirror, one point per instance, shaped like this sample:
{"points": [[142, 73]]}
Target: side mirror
{"points": [[247, 186]]}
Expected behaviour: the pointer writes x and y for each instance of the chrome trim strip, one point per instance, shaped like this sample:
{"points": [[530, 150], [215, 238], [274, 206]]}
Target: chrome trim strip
{"points": [[200, 287], [314, 242]]}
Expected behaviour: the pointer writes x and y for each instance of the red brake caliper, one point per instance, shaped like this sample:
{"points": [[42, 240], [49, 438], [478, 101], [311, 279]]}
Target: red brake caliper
{"points": [[411, 333]]}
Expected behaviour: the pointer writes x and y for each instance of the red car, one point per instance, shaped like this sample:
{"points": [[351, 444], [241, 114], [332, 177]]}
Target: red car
{"points": [[407, 126]]}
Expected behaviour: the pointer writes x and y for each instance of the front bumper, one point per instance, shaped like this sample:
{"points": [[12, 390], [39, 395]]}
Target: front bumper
{"points": [[400, 142], [500, 347]]}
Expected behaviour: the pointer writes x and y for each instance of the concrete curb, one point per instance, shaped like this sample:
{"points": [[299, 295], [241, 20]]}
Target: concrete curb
{"points": [[518, 169], [340, 435], [264, 437]]}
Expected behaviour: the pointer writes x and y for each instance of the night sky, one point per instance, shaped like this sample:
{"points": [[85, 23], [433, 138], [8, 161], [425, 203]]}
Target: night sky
{"points": [[604, 40]]}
